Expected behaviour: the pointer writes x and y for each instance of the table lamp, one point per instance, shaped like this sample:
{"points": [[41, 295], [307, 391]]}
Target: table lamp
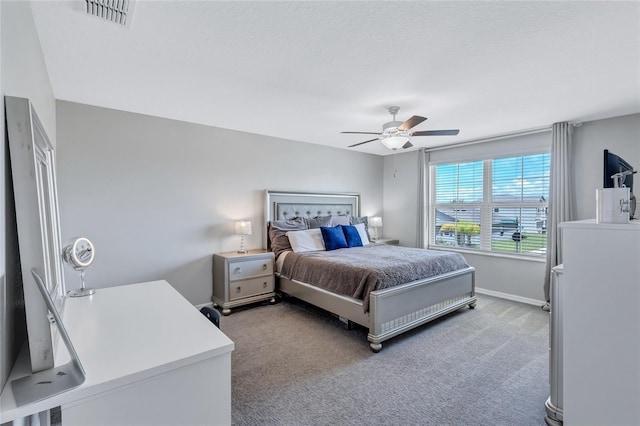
{"points": [[242, 228], [375, 221]]}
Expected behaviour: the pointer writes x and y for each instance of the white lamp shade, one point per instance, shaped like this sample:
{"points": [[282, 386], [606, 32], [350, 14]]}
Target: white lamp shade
{"points": [[395, 142], [375, 221], [242, 227]]}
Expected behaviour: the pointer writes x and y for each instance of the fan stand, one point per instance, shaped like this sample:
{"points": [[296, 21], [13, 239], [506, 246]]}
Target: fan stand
{"points": [[393, 110]]}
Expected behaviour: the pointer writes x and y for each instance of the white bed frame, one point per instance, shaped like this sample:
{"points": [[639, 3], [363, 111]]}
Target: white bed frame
{"points": [[392, 311]]}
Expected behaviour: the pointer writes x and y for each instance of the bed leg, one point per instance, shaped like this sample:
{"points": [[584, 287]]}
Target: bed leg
{"points": [[375, 347], [472, 305]]}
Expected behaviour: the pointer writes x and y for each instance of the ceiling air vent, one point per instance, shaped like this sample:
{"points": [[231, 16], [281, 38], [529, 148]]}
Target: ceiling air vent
{"points": [[116, 11]]}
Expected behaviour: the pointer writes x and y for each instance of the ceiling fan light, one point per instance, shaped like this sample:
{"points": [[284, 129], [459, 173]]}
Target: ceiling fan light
{"points": [[395, 142]]}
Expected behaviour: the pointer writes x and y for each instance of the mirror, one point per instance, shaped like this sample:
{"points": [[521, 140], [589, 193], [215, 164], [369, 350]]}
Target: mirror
{"points": [[79, 255], [36, 202]]}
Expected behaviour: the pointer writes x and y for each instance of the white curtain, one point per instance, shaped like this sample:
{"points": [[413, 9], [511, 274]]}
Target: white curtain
{"points": [[561, 204], [423, 195]]}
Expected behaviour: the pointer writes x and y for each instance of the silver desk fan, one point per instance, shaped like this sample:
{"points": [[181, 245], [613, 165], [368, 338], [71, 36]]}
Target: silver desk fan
{"points": [[79, 254]]}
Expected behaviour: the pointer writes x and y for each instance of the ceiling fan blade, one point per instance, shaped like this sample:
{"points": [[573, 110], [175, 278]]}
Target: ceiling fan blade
{"points": [[407, 145], [362, 143], [411, 123], [452, 132], [364, 133]]}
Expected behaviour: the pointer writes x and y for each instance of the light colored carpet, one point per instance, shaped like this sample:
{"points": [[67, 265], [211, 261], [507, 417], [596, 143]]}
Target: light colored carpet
{"points": [[295, 364]]}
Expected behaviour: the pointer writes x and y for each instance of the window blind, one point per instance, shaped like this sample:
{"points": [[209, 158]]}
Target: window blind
{"points": [[497, 204]]}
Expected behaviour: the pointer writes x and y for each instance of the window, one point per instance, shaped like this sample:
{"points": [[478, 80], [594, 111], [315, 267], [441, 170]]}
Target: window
{"points": [[497, 205]]}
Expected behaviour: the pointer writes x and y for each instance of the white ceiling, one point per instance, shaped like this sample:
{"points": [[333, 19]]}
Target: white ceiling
{"points": [[306, 71]]}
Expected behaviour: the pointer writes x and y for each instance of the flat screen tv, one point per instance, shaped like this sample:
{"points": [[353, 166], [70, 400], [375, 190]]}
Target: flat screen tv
{"points": [[614, 164]]}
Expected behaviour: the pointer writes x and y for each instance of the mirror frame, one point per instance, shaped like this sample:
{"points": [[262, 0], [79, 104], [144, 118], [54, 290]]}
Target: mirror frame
{"points": [[39, 237]]}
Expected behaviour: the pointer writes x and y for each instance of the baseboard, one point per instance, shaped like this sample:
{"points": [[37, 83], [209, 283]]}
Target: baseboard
{"points": [[508, 296]]}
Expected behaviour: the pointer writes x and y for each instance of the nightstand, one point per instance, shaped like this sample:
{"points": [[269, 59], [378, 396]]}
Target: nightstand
{"points": [[239, 279], [388, 241]]}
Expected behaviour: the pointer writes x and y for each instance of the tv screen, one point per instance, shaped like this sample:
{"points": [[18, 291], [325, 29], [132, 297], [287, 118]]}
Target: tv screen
{"points": [[614, 164]]}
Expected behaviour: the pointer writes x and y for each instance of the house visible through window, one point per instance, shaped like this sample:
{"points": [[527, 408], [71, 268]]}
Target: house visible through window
{"points": [[497, 205]]}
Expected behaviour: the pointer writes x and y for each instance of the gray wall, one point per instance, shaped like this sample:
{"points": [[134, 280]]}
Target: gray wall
{"points": [[158, 197], [620, 135], [519, 279], [400, 210], [22, 73]]}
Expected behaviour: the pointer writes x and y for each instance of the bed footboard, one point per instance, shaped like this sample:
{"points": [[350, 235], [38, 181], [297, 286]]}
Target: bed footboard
{"points": [[398, 309], [394, 310]]}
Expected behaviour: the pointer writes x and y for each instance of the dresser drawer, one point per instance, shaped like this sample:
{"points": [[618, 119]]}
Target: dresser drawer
{"points": [[251, 287], [250, 268]]}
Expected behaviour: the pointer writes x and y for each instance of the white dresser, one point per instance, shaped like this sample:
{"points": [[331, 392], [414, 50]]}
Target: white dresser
{"points": [[554, 404], [601, 323], [151, 358]]}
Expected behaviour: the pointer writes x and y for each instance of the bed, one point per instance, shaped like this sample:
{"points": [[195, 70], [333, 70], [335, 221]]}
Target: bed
{"points": [[407, 302]]}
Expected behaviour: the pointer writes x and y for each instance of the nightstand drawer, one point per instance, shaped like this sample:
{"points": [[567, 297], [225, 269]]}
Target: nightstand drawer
{"points": [[241, 289], [250, 268]]}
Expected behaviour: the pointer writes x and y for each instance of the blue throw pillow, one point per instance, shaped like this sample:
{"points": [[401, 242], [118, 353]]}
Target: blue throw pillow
{"points": [[333, 237], [352, 236]]}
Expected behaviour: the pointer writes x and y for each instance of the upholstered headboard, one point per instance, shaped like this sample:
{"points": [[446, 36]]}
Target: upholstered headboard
{"points": [[281, 205], [309, 210]]}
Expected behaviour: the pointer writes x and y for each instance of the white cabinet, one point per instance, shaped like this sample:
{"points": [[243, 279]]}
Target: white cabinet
{"points": [[601, 323], [150, 359]]}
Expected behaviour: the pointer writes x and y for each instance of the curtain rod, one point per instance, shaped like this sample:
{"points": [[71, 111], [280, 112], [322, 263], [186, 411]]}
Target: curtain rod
{"points": [[493, 138]]}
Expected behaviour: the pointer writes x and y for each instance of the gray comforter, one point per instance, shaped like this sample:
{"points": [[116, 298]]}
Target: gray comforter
{"points": [[358, 271]]}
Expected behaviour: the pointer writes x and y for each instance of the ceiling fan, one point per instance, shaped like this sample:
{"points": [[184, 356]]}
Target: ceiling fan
{"points": [[396, 134]]}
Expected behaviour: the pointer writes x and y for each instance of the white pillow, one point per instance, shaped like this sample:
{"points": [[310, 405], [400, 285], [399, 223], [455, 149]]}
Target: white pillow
{"points": [[307, 240], [363, 233]]}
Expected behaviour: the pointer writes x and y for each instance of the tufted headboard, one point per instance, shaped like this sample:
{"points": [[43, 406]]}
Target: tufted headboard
{"points": [[281, 205]]}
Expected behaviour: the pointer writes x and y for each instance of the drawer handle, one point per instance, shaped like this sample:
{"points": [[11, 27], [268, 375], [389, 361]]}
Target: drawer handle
{"points": [[237, 270], [264, 284], [264, 267], [238, 290]]}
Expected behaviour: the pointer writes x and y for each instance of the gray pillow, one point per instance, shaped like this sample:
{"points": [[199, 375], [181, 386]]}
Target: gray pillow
{"points": [[341, 220], [356, 220], [318, 221], [277, 230]]}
